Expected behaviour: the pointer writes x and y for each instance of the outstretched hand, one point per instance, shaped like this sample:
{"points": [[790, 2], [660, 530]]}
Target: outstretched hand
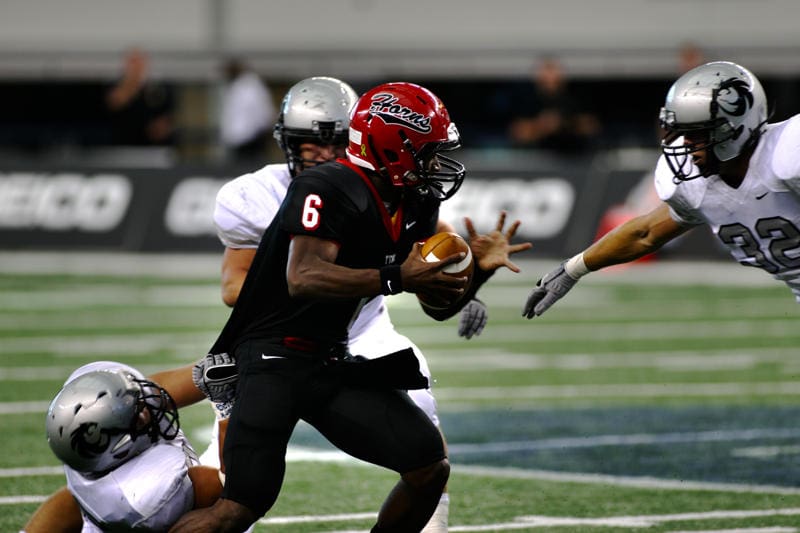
{"points": [[492, 250], [548, 291]]}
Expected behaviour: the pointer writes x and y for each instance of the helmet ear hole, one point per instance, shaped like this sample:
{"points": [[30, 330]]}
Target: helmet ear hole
{"points": [[391, 156]]}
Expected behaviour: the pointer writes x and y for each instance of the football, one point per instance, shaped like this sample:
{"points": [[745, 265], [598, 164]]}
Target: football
{"points": [[438, 247]]}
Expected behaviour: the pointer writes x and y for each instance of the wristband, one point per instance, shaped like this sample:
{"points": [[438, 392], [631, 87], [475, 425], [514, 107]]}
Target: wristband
{"points": [[480, 276], [391, 280], [575, 267]]}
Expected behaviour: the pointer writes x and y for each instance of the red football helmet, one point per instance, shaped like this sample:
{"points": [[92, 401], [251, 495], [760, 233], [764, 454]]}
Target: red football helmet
{"points": [[399, 130]]}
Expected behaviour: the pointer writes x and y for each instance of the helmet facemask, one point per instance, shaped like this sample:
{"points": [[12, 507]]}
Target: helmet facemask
{"points": [[435, 173], [322, 134], [161, 418], [681, 141]]}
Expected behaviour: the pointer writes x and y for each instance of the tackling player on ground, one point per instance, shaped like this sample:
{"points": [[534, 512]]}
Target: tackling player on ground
{"points": [[128, 465]]}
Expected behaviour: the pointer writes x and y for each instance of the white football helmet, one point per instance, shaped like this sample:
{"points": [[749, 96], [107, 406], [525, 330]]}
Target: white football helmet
{"points": [[723, 100], [315, 110], [102, 418]]}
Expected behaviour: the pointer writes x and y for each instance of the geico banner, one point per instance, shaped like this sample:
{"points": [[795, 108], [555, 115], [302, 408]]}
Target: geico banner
{"points": [[560, 209], [59, 202], [130, 210], [542, 205], [171, 210]]}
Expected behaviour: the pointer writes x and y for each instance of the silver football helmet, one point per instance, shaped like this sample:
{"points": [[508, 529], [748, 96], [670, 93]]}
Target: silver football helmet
{"points": [[722, 100], [315, 110], [103, 418]]}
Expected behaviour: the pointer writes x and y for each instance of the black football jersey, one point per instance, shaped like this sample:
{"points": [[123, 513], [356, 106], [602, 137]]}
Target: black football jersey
{"points": [[333, 201]]}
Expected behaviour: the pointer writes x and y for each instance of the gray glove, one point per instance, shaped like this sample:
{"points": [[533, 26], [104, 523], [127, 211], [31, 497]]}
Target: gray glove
{"points": [[216, 376], [473, 318], [548, 291]]}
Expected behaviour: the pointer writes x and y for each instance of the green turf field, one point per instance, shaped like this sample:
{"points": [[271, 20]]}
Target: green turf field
{"points": [[651, 399]]}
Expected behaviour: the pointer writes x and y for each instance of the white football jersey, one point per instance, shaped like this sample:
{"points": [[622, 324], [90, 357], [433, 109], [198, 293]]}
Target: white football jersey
{"points": [[151, 491], [759, 222]]}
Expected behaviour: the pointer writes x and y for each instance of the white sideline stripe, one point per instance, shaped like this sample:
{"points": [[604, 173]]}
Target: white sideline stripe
{"points": [[744, 530], [317, 518], [32, 471], [16, 408], [50, 373], [522, 522], [526, 522], [16, 500], [481, 360], [684, 360], [645, 482], [625, 440], [631, 330], [642, 482], [206, 266], [765, 452], [192, 345], [205, 295], [510, 393], [431, 334]]}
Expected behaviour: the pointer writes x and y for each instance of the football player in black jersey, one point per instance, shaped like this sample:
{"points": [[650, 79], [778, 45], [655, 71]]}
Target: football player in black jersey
{"points": [[347, 231]]}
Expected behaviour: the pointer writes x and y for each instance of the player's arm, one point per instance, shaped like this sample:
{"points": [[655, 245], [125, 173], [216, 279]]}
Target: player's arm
{"points": [[312, 273], [206, 485], [235, 264], [633, 239], [59, 513], [179, 384]]}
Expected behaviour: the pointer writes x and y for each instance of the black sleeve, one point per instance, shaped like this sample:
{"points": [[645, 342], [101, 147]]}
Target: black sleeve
{"points": [[316, 207]]}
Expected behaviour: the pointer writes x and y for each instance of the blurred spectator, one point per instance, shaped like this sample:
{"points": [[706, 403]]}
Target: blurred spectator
{"points": [[549, 116], [689, 56], [142, 110], [248, 113]]}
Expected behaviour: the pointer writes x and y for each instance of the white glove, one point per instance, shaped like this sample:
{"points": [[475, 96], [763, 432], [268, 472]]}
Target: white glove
{"points": [[473, 317], [548, 291], [216, 376]]}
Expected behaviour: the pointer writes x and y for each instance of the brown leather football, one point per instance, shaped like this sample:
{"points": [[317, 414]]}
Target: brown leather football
{"points": [[438, 247]]}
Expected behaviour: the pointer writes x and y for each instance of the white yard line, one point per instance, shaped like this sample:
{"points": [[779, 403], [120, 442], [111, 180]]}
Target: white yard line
{"points": [[206, 265], [476, 360], [625, 440], [18, 408], [641, 521], [622, 390], [192, 344], [643, 482], [646, 331]]}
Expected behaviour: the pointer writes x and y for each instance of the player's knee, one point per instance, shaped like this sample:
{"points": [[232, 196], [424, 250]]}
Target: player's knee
{"points": [[430, 477]]}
